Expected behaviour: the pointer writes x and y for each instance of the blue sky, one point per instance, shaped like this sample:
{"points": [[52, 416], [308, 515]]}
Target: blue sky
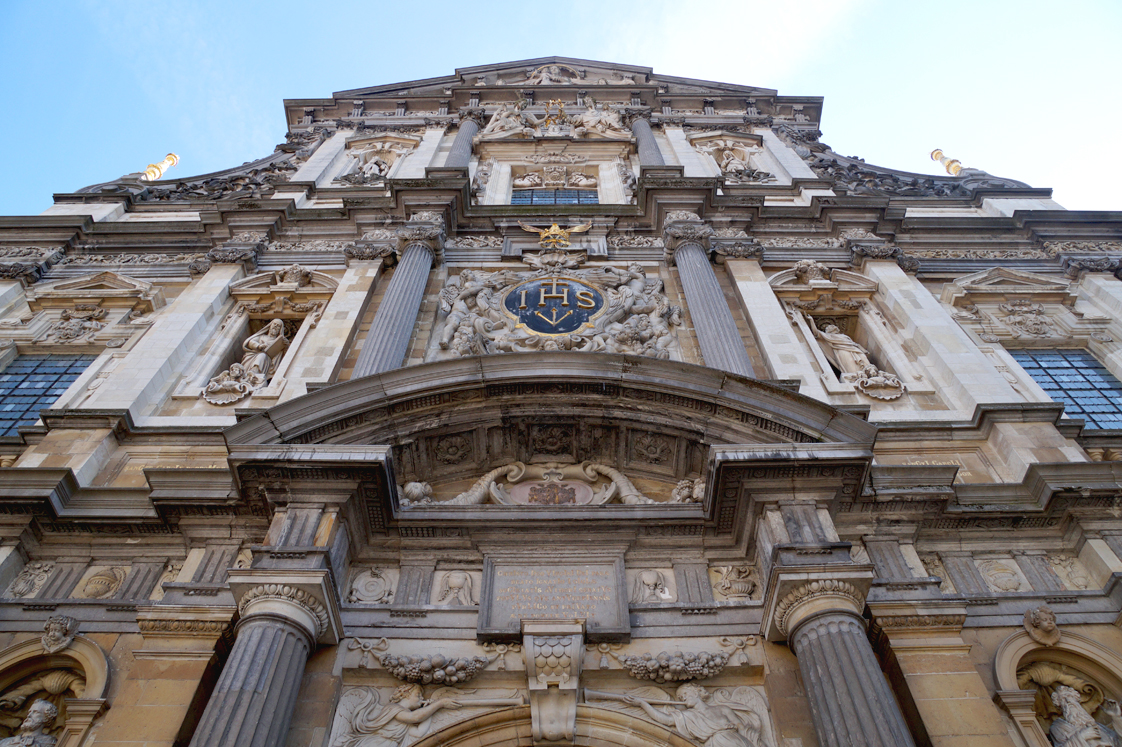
{"points": [[1027, 90]]}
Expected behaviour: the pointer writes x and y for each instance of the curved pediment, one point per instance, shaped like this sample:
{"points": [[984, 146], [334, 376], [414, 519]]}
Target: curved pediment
{"points": [[412, 402]]}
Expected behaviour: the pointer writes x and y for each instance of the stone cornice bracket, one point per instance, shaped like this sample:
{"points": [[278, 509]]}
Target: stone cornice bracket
{"points": [[365, 251], [24, 273], [425, 228], [305, 597], [241, 249], [682, 227], [859, 251], [723, 249], [1076, 267], [554, 653]]}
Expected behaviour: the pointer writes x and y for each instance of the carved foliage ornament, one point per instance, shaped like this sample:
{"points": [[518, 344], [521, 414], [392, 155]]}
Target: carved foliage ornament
{"points": [[434, 668], [676, 666]]}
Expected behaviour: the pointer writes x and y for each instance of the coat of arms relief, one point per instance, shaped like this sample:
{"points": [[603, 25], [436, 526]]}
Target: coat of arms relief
{"points": [[556, 305]]}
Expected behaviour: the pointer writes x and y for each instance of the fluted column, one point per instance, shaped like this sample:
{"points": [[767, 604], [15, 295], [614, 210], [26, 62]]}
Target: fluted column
{"points": [[649, 154], [850, 701], [253, 701], [720, 341], [460, 155], [386, 344]]}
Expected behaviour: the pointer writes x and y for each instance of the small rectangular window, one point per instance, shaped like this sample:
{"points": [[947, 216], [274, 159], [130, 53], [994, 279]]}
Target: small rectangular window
{"points": [[31, 383], [1079, 381], [555, 197]]}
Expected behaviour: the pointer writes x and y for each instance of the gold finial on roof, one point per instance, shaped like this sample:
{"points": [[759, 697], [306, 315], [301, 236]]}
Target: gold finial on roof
{"points": [[953, 165], [156, 170]]}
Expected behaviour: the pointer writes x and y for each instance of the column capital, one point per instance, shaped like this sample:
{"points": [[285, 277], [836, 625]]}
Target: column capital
{"points": [[683, 227], [798, 593], [424, 229], [304, 597]]}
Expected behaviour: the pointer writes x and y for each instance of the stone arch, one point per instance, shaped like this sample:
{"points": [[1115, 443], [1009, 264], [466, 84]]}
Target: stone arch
{"points": [[22, 660], [595, 727], [1098, 662]]}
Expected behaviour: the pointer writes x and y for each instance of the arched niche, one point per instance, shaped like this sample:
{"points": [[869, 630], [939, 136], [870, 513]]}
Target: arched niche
{"points": [[21, 662], [1077, 653], [595, 727]]}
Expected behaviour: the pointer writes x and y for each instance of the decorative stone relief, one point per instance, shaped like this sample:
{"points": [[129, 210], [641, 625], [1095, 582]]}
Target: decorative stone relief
{"points": [[933, 565], [734, 583], [1040, 624], [30, 579], [554, 655], [674, 667], [739, 646], [552, 75], [509, 120], [651, 587], [456, 589], [58, 633], [622, 241], [545, 484], [369, 648], [435, 668], [255, 182], [407, 715], [371, 586], [688, 491], [736, 717], [129, 259], [555, 177], [558, 307], [501, 650], [372, 159], [1002, 575], [1070, 571], [475, 242], [1056, 248], [77, 325], [1026, 318], [263, 351], [103, 583]]}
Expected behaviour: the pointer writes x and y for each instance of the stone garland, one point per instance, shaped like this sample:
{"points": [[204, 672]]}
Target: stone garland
{"points": [[434, 669], [674, 667]]}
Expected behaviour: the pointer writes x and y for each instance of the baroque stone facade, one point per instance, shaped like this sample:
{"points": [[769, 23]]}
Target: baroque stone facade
{"points": [[560, 402]]}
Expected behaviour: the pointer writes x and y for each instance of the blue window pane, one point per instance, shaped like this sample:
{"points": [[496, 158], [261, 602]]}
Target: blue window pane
{"points": [[1075, 379], [31, 383]]}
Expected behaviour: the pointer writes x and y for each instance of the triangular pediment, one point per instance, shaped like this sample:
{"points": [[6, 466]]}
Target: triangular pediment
{"points": [[106, 288], [999, 284]]}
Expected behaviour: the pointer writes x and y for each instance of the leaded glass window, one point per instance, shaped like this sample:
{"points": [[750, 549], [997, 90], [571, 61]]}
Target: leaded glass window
{"points": [[33, 382], [1076, 378], [555, 197]]}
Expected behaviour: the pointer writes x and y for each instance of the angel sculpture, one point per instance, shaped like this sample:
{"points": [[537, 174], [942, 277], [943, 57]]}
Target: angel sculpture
{"points": [[725, 719]]}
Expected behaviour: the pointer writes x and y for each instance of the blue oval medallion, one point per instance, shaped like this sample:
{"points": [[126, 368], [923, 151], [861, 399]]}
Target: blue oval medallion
{"points": [[553, 306]]}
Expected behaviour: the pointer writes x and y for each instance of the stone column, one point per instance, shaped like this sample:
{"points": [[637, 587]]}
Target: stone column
{"points": [[460, 155], [388, 340], [721, 343], [649, 154], [253, 701], [850, 701]]}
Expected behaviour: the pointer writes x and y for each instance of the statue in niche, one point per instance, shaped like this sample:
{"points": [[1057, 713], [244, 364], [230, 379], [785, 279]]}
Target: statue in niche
{"points": [[724, 720], [1077, 727], [853, 362], [455, 590], [32, 730], [596, 120], [263, 351], [407, 717], [52, 686]]}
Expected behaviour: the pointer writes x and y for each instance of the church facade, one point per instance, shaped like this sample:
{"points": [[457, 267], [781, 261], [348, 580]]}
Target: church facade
{"points": [[560, 402]]}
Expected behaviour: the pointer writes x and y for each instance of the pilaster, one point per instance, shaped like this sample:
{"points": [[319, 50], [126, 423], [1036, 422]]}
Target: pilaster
{"points": [[922, 644]]}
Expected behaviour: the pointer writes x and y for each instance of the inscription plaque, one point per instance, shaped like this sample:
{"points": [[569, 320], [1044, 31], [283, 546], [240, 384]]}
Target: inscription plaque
{"points": [[514, 591]]}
